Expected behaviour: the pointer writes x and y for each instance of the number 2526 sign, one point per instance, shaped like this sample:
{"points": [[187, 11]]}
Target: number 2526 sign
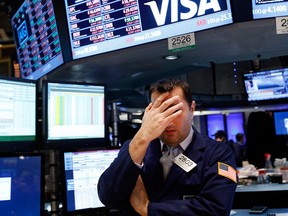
{"points": [[282, 25], [181, 42]]}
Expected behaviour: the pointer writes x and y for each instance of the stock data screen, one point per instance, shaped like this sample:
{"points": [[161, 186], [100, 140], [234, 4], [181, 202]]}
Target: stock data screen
{"points": [[36, 37], [82, 173], [17, 110], [269, 8], [98, 26], [75, 111]]}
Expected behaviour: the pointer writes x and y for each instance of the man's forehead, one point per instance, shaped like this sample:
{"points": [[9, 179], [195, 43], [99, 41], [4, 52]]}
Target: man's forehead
{"points": [[176, 91]]}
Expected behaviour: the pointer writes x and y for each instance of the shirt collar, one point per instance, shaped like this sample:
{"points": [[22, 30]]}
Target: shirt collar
{"points": [[184, 144]]}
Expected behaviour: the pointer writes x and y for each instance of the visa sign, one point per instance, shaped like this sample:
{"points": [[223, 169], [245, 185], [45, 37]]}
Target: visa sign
{"points": [[158, 13]]}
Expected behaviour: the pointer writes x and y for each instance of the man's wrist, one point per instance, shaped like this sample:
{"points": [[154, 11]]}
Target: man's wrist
{"points": [[145, 210]]}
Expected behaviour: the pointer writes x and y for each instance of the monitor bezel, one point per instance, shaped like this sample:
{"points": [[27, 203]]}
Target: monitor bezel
{"points": [[103, 210], [265, 101], [62, 41], [42, 172], [274, 122], [73, 143], [149, 34], [265, 11], [27, 145]]}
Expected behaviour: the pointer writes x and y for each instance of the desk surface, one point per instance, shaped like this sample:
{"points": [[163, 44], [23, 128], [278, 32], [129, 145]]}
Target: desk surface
{"points": [[245, 212], [262, 187]]}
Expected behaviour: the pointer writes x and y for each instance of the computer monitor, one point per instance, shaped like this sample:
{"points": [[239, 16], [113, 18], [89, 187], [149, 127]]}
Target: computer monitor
{"points": [[270, 84], [21, 184], [269, 8], [18, 114], [82, 170], [37, 39], [74, 114], [281, 122]]}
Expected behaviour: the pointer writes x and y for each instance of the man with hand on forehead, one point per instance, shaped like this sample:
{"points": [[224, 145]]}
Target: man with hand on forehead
{"points": [[169, 168]]}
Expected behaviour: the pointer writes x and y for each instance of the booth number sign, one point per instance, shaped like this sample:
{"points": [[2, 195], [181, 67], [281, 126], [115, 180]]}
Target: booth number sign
{"points": [[181, 42], [282, 25]]}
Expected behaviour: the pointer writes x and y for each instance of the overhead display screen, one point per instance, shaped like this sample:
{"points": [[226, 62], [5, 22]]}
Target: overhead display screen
{"points": [[267, 85], [98, 26], [36, 37], [269, 8]]}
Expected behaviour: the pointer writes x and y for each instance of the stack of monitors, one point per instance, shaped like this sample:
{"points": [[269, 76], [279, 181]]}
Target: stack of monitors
{"points": [[18, 114], [98, 26], [21, 184], [36, 37], [267, 85], [74, 115], [82, 172], [269, 8]]}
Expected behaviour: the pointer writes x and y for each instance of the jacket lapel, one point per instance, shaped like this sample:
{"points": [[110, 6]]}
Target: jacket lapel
{"points": [[193, 152]]}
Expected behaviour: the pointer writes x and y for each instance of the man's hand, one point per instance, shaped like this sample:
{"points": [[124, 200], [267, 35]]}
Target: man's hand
{"points": [[156, 118], [159, 114], [139, 199]]}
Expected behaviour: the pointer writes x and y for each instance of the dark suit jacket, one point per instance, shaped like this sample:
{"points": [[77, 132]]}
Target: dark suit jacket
{"points": [[202, 191]]}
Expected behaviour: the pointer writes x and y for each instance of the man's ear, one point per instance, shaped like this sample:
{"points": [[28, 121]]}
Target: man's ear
{"points": [[193, 106]]}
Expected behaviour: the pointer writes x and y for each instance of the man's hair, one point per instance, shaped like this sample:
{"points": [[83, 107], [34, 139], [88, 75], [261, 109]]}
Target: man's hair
{"points": [[168, 84], [239, 136], [220, 134]]}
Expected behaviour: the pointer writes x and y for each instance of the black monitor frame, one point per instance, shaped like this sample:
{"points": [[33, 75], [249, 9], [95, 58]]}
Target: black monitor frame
{"points": [[71, 143], [96, 210], [269, 99], [32, 44], [25, 145], [279, 131], [41, 179]]}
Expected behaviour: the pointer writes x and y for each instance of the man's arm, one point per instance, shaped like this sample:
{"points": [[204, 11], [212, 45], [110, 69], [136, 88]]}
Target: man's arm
{"points": [[117, 182], [139, 199], [215, 197]]}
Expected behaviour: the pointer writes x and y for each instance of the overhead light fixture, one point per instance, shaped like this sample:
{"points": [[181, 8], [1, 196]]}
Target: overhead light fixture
{"points": [[171, 57], [136, 74]]}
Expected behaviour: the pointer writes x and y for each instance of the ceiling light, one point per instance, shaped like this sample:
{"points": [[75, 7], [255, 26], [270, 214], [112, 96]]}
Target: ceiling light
{"points": [[171, 57], [136, 74]]}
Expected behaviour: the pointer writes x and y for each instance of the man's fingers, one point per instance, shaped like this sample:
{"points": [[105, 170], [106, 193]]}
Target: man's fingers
{"points": [[158, 102], [169, 103]]}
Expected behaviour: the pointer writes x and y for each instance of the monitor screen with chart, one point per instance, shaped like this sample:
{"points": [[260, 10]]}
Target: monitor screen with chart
{"points": [[37, 39], [18, 114], [74, 114], [82, 170], [270, 84]]}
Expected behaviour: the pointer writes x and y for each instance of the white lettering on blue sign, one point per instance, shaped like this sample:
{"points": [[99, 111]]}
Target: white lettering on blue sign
{"points": [[161, 13]]}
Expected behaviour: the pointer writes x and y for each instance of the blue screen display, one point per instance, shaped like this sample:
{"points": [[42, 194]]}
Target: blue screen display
{"points": [[235, 124], [36, 38], [215, 123], [269, 8], [20, 185], [281, 122]]}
